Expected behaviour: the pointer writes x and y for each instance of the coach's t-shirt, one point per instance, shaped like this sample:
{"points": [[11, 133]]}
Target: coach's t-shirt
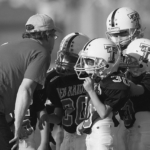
{"points": [[23, 59]]}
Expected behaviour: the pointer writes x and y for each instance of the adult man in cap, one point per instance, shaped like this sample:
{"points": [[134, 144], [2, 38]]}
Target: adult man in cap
{"points": [[23, 66]]}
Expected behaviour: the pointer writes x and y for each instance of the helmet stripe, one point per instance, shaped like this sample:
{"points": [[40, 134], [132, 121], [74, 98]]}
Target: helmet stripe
{"points": [[113, 18], [71, 39], [88, 43]]}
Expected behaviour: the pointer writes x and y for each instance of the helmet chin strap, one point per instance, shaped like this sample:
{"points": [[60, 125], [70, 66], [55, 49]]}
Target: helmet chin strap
{"points": [[96, 78]]}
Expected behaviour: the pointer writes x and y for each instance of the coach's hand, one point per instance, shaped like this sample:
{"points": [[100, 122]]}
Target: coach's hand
{"points": [[88, 84], [15, 142]]}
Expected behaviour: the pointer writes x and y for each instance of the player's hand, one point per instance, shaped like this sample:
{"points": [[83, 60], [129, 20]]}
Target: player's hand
{"points": [[42, 121], [79, 128], [88, 84], [15, 142], [23, 134]]}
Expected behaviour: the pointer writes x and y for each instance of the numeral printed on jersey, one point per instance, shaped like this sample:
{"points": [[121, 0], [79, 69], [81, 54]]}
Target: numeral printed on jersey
{"points": [[121, 79], [68, 106], [91, 109]]}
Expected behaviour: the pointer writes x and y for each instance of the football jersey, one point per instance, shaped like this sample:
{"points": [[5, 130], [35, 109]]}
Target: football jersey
{"points": [[38, 104], [51, 74], [137, 103], [68, 94], [112, 91], [30, 119]]}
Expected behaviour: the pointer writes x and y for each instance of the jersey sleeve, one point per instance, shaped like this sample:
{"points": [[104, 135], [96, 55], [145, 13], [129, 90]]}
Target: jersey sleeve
{"points": [[37, 67]]}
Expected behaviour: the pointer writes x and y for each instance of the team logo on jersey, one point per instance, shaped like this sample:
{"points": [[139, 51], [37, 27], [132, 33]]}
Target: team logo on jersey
{"points": [[146, 51], [134, 16], [112, 50]]}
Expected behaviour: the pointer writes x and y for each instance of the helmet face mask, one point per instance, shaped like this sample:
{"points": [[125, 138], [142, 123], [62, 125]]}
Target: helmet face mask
{"points": [[123, 37], [123, 26], [68, 52], [65, 62], [133, 65], [138, 56], [97, 58], [94, 66]]}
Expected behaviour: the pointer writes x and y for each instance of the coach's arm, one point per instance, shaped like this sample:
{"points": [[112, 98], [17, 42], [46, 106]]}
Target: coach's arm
{"points": [[23, 101]]}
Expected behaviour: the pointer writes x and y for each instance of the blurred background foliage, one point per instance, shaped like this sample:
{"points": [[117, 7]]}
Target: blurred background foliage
{"points": [[86, 16]]}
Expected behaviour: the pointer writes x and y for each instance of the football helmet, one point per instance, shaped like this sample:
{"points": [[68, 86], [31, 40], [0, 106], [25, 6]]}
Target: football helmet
{"points": [[68, 52], [123, 26], [138, 56], [97, 58]]}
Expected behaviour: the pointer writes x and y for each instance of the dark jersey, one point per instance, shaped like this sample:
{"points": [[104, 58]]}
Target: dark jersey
{"points": [[112, 91], [68, 93], [51, 75], [142, 102], [23, 59], [37, 105], [137, 103]]}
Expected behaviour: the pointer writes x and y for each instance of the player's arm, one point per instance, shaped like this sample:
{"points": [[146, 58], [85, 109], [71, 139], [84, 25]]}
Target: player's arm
{"points": [[23, 101], [44, 132], [56, 117], [136, 89], [102, 109], [142, 88]]}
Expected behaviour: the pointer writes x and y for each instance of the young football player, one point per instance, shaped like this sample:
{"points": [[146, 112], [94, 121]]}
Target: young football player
{"points": [[67, 94], [136, 112], [107, 88], [123, 26], [51, 73]]}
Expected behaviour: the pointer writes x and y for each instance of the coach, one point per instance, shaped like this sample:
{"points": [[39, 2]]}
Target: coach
{"points": [[23, 66]]}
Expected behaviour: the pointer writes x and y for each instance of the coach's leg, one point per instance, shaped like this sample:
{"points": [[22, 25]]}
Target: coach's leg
{"points": [[5, 134]]}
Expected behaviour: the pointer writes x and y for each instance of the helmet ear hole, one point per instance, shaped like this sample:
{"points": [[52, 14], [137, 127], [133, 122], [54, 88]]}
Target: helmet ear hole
{"points": [[107, 66], [141, 66]]}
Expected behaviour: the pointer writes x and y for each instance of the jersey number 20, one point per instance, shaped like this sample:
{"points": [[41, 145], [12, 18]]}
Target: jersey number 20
{"points": [[68, 105]]}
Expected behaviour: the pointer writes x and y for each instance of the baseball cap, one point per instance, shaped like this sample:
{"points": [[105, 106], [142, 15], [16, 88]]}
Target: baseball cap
{"points": [[39, 22]]}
